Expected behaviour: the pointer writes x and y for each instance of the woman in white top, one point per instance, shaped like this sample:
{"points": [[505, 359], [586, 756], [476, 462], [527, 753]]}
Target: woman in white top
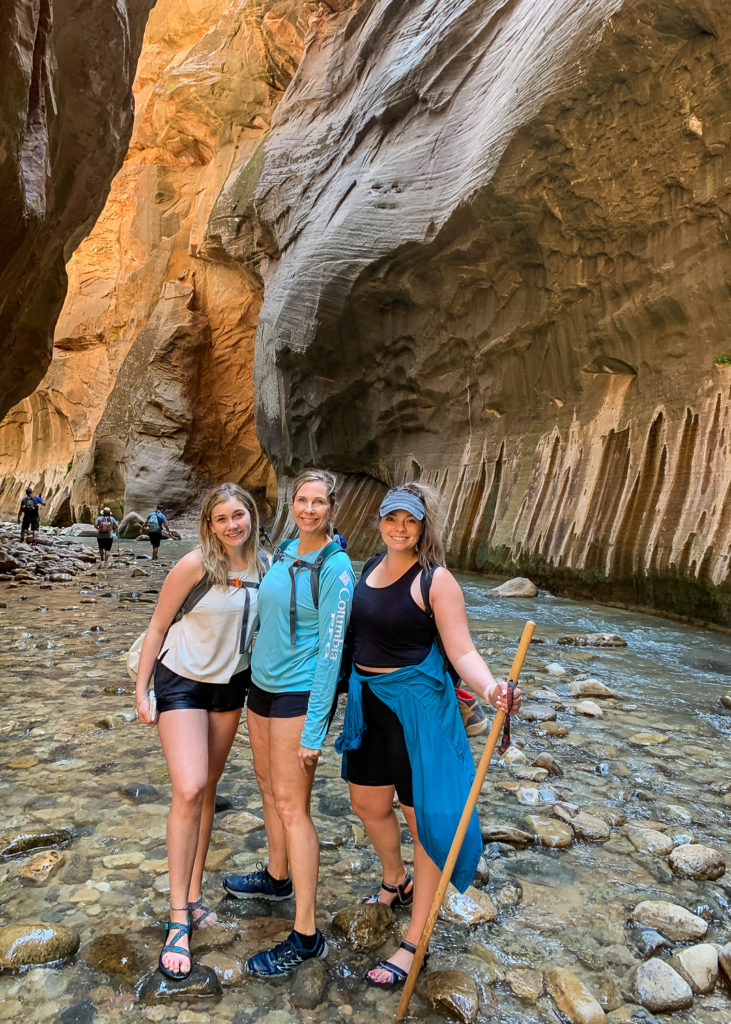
{"points": [[201, 667]]}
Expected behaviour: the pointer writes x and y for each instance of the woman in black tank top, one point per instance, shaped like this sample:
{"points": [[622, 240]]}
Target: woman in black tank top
{"points": [[394, 633]]}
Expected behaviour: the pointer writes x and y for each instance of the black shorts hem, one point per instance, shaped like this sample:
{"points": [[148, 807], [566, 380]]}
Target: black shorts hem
{"points": [[277, 705], [177, 693], [105, 543], [154, 539]]}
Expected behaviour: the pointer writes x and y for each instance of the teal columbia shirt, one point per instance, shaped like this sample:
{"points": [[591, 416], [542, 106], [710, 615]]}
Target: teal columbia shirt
{"points": [[277, 665]]}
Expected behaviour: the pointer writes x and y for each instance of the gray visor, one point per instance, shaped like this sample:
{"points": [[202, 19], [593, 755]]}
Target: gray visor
{"points": [[404, 500]]}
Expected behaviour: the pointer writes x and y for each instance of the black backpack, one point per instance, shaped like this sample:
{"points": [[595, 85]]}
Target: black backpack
{"points": [[29, 504]]}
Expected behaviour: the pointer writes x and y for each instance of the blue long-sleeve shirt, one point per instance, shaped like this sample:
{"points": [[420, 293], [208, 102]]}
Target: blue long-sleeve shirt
{"points": [[313, 662]]}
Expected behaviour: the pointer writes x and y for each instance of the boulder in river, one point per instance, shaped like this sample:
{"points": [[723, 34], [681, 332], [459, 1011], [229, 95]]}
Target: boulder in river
{"points": [[671, 920], [692, 860], [698, 965], [114, 954], [525, 982], [310, 984], [15, 841], [589, 688], [364, 926], [549, 762], [536, 713], [661, 989], [471, 907], [40, 867], [552, 833], [589, 708], [507, 834], [202, 981], [519, 586], [592, 640], [649, 739], [132, 526], [649, 840], [454, 993], [35, 942], [573, 998], [79, 530], [585, 826]]}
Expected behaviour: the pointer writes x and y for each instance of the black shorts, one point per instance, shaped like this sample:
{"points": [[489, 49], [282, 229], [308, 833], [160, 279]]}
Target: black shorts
{"points": [[105, 543], [277, 705], [31, 522], [176, 693], [155, 538], [382, 758]]}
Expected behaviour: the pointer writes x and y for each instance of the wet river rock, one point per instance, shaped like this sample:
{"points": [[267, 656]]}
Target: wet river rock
{"points": [[35, 942], [310, 984], [695, 861], [114, 954], [454, 993], [201, 982], [573, 998], [365, 926], [13, 841], [698, 965], [670, 920], [585, 826], [660, 988]]}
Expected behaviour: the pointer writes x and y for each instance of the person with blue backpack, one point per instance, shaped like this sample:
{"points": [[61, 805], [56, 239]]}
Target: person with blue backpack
{"points": [[155, 525], [402, 733], [197, 651], [304, 607]]}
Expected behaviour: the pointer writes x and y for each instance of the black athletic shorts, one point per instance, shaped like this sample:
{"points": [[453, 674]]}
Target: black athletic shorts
{"points": [[176, 693], [382, 758], [155, 539], [31, 522], [277, 705], [105, 543]]}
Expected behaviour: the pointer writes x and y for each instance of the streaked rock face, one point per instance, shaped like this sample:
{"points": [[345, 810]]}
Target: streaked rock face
{"points": [[495, 258], [66, 116], [145, 404]]}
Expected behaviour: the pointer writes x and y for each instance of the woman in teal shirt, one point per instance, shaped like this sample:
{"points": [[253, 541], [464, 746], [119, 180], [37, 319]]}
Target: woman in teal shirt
{"points": [[304, 608]]}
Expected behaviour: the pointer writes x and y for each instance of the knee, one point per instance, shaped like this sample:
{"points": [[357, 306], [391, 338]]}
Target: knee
{"points": [[291, 812], [190, 792]]}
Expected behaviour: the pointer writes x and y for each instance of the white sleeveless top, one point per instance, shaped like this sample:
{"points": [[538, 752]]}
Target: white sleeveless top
{"points": [[205, 644]]}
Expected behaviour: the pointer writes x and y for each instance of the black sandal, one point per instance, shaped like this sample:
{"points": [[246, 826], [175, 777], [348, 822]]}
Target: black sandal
{"points": [[403, 898], [398, 974]]}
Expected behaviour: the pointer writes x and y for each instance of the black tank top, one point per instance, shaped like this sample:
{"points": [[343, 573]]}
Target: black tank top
{"points": [[390, 630]]}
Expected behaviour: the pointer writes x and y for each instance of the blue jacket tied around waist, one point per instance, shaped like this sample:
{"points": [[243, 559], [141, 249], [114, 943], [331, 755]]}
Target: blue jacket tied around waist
{"points": [[442, 768]]}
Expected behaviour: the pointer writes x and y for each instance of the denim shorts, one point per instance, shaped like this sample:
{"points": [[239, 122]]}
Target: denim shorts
{"points": [[176, 693]]}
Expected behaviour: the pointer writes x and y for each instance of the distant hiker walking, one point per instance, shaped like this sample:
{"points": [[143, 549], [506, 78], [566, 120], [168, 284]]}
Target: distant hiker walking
{"points": [[106, 527], [337, 536], [30, 513], [155, 525]]}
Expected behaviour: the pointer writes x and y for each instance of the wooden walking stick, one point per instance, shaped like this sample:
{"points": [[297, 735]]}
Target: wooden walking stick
{"points": [[459, 835]]}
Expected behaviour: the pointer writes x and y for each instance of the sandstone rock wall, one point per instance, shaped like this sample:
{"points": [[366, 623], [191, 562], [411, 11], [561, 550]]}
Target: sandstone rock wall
{"points": [[66, 70], [501, 263], [162, 407]]}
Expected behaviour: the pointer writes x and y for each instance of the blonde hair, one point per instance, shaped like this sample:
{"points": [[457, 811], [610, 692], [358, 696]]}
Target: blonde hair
{"points": [[215, 561], [318, 476], [430, 549]]}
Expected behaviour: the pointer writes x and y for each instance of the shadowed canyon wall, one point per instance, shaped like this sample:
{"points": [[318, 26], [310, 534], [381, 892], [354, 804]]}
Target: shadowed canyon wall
{"points": [[501, 263], [66, 70], [149, 396]]}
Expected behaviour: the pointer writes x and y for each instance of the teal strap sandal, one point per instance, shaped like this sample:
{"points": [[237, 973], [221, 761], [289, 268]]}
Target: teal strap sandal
{"points": [[198, 905], [175, 930]]}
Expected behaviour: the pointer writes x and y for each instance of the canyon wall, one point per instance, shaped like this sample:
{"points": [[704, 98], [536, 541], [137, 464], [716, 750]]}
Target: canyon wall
{"points": [[66, 115], [500, 263], [149, 396]]}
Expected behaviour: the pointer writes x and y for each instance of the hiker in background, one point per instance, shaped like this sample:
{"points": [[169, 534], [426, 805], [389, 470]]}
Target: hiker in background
{"points": [[304, 606], [31, 515], [155, 525], [337, 536], [264, 537], [402, 732], [198, 647], [106, 528]]}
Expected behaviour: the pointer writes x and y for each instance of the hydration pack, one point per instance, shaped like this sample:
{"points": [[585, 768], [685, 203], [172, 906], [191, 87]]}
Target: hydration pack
{"points": [[314, 569], [153, 523], [106, 524]]}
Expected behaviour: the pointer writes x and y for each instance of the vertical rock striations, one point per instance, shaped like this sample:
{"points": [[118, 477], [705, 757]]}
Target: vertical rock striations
{"points": [[66, 117], [210, 74], [495, 244]]}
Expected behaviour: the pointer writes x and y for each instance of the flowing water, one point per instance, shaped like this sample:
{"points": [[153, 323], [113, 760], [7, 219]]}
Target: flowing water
{"points": [[73, 757]]}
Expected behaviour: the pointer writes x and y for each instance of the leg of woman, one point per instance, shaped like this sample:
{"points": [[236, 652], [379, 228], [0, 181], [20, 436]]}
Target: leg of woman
{"points": [[277, 866], [184, 738], [374, 807], [291, 789], [426, 880], [222, 726]]}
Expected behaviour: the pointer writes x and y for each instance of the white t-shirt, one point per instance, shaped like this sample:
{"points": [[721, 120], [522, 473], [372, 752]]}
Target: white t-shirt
{"points": [[204, 645]]}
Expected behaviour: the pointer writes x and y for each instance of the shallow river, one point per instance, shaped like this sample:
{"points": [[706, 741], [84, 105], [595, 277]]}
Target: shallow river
{"points": [[72, 756]]}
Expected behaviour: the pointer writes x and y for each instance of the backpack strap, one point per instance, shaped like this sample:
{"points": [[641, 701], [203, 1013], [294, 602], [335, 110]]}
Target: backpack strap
{"points": [[371, 563], [314, 569], [425, 581], [197, 594]]}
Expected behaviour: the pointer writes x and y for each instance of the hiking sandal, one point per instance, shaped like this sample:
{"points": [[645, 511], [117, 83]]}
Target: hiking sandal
{"points": [[195, 922], [398, 974], [403, 898], [179, 930]]}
